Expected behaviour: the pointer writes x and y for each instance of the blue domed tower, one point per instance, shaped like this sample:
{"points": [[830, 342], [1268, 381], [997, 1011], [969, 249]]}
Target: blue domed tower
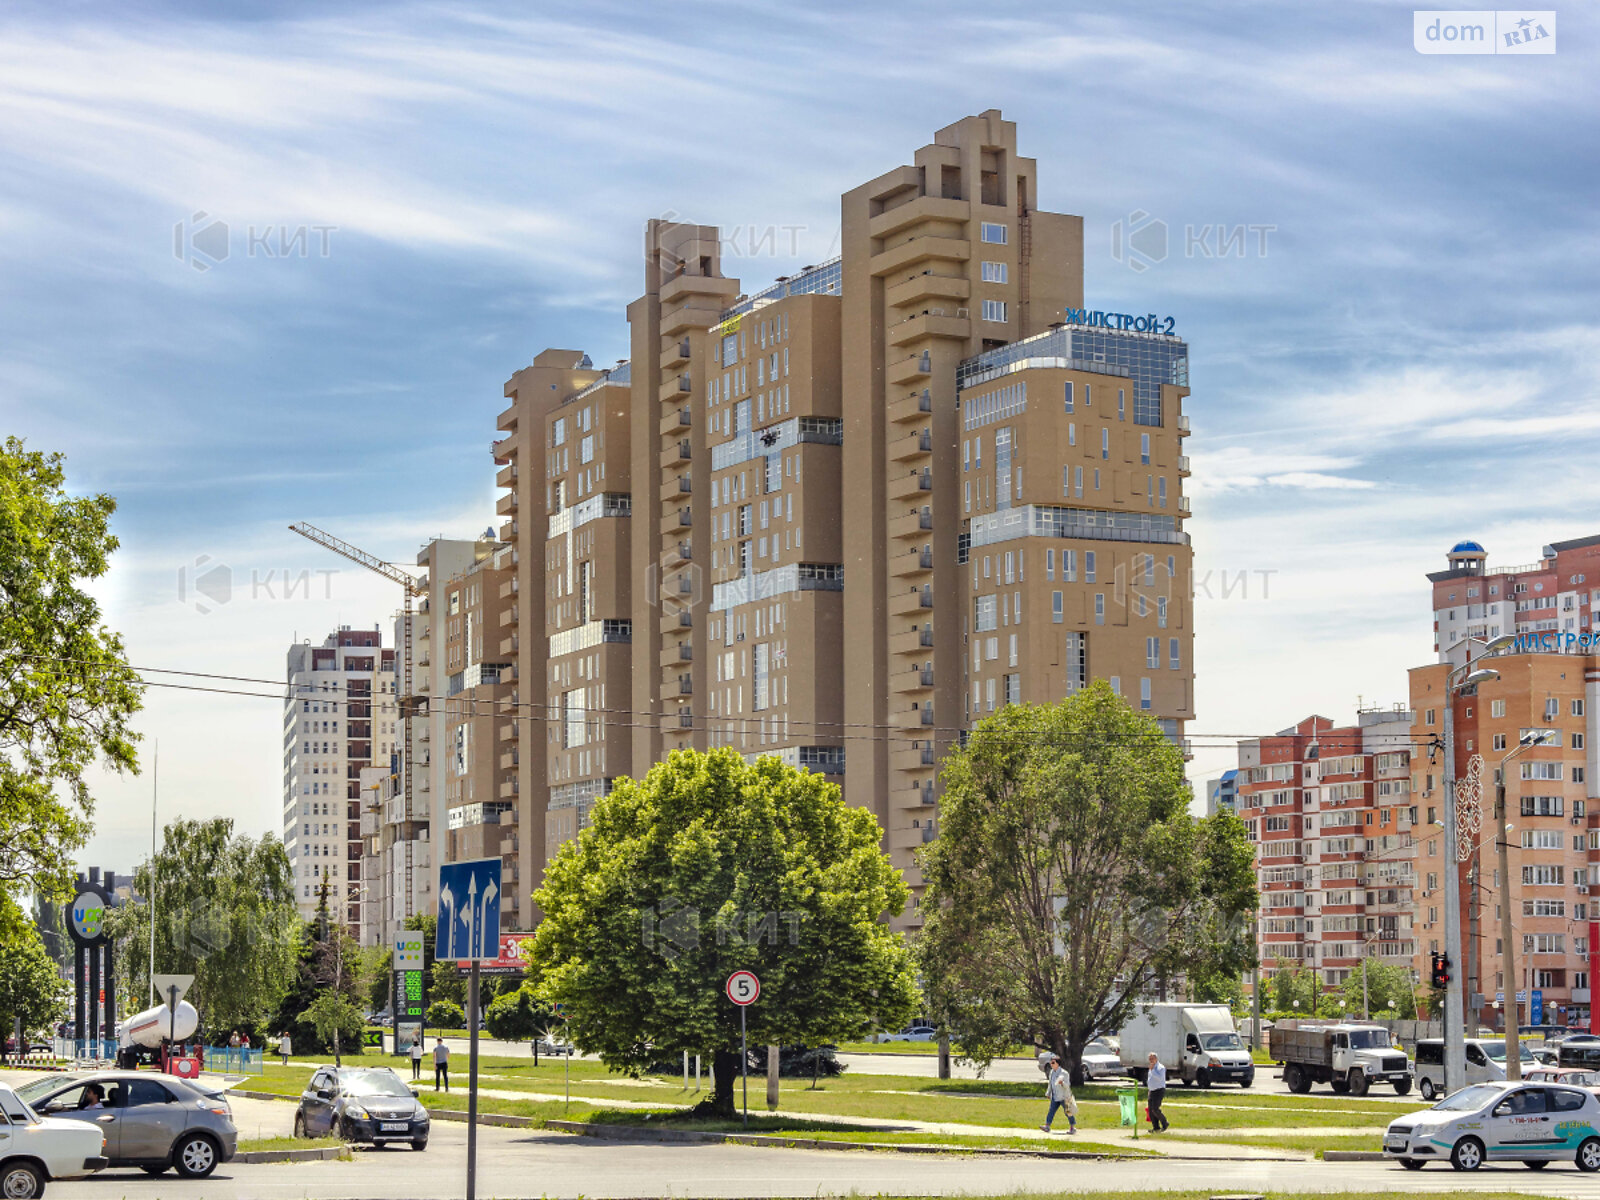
{"points": [[1468, 556]]}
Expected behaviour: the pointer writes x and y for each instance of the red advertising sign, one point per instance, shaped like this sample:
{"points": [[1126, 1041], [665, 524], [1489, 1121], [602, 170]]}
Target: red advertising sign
{"points": [[509, 961]]}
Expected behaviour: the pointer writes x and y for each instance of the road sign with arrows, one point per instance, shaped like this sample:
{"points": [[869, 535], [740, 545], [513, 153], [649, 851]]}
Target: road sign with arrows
{"points": [[469, 911]]}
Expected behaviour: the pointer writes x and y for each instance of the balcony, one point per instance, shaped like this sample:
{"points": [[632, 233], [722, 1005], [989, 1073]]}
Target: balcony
{"points": [[1183, 426], [924, 208], [911, 601], [507, 504], [685, 719], [918, 250], [685, 552], [685, 685], [1183, 505], [912, 524], [911, 562], [676, 419], [911, 446], [910, 486], [927, 285], [910, 408], [685, 518], [676, 354], [913, 367], [931, 323], [1183, 465], [910, 641]]}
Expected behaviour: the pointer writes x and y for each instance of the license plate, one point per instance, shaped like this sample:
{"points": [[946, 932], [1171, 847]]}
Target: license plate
{"points": [[393, 1126], [1393, 1144]]}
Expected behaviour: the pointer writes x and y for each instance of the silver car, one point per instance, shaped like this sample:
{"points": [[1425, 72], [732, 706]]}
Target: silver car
{"points": [[150, 1121]]}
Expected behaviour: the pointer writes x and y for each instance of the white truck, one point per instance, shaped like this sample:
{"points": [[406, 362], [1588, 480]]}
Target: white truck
{"points": [[1350, 1058], [35, 1149], [1197, 1043]]}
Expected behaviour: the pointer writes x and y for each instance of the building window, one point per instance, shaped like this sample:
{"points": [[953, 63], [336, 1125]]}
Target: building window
{"points": [[1105, 445], [1144, 693], [995, 272], [993, 232], [1069, 395], [994, 310], [1077, 662], [1174, 658], [1152, 652], [1497, 708], [1144, 449], [1057, 612], [1099, 608], [1088, 566], [1069, 566]]}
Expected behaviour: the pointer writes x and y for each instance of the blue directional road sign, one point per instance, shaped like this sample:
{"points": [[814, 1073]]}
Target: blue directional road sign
{"points": [[469, 910]]}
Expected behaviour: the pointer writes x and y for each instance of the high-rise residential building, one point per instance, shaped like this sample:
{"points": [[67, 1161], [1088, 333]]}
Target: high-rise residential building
{"points": [[840, 518], [1330, 810], [1547, 679], [339, 719]]}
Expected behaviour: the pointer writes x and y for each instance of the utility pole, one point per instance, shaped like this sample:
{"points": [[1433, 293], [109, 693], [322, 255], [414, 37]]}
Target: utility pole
{"points": [[1455, 1046], [1474, 983], [1508, 950]]}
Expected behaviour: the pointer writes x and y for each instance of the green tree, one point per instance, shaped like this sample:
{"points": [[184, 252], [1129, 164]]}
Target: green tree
{"points": [[1069, 878], [224, 912], [1389, 989], [1293, 988], [376, 973], [66, 692], [709, 865], [518, 1016], [31, 987], [445, 1014], [336, 967]]}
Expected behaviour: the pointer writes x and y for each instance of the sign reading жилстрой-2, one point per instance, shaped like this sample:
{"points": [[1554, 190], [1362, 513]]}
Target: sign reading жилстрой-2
{"points": [[1128, 322], [469, 910]]}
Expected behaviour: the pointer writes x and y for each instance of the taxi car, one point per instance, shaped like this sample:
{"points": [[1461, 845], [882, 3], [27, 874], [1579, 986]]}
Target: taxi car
{"points": [[1532, 1123]]}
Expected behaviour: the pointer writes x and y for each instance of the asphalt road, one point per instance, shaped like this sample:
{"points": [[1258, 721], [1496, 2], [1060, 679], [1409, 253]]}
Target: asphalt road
{"points": [[525, 1163]]}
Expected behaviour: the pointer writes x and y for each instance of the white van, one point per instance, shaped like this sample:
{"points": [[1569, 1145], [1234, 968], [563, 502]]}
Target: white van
{"points": [[1486, 1063]]}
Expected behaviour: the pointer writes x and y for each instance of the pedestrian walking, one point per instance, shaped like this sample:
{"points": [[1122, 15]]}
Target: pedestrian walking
{"points": [[1060, 1089], [233, 1040], [416, 1057], [285, 1047], [1155, 1082], [441, 1064]]}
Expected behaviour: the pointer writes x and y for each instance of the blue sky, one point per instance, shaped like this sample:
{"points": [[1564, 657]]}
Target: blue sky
{"points": [[1407, 363]]}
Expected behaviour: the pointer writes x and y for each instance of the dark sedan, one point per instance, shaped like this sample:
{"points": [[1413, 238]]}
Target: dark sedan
{"points": [[362, 1104], [151, 1121]]}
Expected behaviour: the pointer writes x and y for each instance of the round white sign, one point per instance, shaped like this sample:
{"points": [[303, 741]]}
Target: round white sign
{"points": [[743, 988]]}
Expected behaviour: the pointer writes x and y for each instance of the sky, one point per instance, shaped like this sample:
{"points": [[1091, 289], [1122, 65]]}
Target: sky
{"points": [[1384, 263]]}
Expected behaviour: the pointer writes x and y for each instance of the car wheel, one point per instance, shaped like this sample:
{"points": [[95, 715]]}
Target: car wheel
{"points": [[195, 1157], [1203, 1077], [1412, 1164], [1589, 1155], [1358, 1083], [299, 1125], [419, 1143], [1340, 1086], [1467, 1154], [1402, 1087], [21, 1181], [1428, 1091], [1536, 1164]]}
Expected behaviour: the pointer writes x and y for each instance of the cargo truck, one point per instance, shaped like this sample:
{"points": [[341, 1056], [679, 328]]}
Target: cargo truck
{"points": [[1196, 1042], [1349, 1058]]}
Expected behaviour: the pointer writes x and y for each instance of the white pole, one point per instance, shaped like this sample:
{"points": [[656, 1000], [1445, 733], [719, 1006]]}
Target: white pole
{"points": [[155, 777]]}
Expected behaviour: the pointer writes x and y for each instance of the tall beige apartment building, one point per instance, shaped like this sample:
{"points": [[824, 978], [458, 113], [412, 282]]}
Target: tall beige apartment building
{"points": [[840, 518]]}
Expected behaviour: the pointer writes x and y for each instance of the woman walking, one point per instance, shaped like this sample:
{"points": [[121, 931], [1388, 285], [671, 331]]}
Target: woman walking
{"points": [[1060, 1088]]}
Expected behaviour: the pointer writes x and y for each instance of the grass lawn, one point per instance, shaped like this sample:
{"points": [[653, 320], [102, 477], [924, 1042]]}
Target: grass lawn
{"points": [[1229, 1115], [1205, 1195], [1310, 1143], [286, 1143]]}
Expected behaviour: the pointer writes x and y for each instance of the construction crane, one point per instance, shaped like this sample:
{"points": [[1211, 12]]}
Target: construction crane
{"points": [[408, 704]]}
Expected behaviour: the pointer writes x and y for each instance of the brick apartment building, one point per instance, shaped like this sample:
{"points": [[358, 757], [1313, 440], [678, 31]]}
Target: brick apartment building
{"points": [[842, 517]]}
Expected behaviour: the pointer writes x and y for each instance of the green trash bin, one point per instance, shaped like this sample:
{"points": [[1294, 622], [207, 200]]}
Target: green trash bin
{"points": [[1128, 1100]]}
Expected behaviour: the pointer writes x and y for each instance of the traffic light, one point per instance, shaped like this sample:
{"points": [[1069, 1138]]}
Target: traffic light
{"points": [[1441, 970]]}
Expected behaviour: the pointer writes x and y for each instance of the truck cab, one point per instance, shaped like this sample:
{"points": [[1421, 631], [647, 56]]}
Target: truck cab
{"points": [[1216, 1056]]}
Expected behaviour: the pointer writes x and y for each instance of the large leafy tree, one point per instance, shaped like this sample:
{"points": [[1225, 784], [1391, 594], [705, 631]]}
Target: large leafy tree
{"points": [[31, 987], [710, 865], [1390, 988], [66, 693], [224, 913], [1069, 880]]}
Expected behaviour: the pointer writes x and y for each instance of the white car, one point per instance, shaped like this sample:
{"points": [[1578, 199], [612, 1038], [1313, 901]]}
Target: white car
{"points": [[1100, 1061], [35, 1149], [1531, 1123]]}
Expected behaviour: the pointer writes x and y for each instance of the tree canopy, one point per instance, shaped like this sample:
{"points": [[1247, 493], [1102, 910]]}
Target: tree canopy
{"points": [[710, 865], [66, 693], [225, 913], [1070, 880], [31, 988]]}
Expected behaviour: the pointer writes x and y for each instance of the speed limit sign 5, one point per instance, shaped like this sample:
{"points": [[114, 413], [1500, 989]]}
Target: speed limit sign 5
{"points": [[743, 988]]}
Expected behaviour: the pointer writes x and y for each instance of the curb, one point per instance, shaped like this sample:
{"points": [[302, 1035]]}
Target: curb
{"points": [[643, 1133], [1354, 1156], [314, 1154]]}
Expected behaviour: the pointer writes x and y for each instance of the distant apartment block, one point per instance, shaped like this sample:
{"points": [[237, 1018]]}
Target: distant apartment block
{"points": [[339, 719]]}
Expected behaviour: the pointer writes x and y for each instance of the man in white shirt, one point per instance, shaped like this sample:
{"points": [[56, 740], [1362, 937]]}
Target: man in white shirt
{"points": [[1155, 1082]]}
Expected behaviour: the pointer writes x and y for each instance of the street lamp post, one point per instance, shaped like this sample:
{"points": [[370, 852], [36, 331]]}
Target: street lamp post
{"points": [[1508, 954], [1457, 680]]}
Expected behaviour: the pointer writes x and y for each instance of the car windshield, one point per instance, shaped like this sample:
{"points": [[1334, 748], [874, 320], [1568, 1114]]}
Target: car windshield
{"points": [[1497, 1051], [1370, 1039], [1220, 1041], [376, 1083], [36, 1089], [1468, 1099]]}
